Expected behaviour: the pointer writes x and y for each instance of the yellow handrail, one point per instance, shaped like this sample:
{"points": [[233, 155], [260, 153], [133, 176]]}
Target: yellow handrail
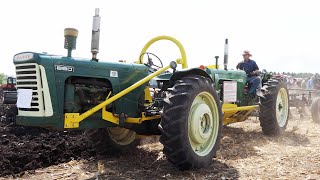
{"points": [[182, 61]]}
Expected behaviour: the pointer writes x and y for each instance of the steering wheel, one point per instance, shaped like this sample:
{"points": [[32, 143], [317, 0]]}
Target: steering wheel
{"points": [[152, 66]]}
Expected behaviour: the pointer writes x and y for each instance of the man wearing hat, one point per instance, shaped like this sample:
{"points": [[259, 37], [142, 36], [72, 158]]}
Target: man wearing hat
{"points": [[252, 70]]}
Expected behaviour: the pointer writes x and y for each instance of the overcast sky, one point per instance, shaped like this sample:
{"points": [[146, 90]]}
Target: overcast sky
{"points": [[282, 35]]}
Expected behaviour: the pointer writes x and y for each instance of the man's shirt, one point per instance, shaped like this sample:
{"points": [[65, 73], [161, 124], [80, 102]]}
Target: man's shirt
{"points": [[248, 66], [310, 84]]}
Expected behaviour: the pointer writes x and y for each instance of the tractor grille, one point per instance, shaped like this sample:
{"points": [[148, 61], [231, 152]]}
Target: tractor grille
{"points": [[29, 77]]}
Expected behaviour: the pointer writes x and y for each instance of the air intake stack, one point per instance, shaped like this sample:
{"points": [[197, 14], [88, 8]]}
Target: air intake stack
{"points": [[70, 39], [95, 35]]}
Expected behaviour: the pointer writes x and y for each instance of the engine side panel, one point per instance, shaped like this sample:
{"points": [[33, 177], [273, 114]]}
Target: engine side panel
{"points": [[230, 75]]}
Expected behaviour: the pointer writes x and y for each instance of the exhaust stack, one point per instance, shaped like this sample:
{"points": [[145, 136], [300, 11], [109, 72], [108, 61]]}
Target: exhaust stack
{"points": [[226, 55], [95, 35]]}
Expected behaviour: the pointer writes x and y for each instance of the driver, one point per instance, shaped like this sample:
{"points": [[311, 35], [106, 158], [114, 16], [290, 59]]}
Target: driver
{"points": [[252, 70]]}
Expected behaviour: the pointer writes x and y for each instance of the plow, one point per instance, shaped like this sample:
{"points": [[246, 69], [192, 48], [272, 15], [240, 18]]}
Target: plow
{"points": [[302, 98]]}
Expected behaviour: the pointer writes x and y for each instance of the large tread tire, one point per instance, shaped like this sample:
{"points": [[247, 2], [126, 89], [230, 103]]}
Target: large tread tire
{"points": [[104, 144], [315, 110], [176, 119], [270, 108]]}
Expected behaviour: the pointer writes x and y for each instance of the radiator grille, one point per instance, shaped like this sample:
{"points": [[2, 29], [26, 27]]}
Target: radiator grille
{"points": [[29, 77]]}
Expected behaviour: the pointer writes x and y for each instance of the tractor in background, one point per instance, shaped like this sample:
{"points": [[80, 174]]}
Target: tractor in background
{"points": [[8, 98], [10, 85], [9, 91], [115, 102]]}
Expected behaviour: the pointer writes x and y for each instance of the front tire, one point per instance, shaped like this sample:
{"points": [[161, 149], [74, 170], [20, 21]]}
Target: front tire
{"points": [[191, 123], [315, 110], [274, 108], [112, 140]]}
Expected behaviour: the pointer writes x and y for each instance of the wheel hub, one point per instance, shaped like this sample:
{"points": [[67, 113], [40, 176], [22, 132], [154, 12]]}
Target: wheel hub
{"points": [[282, 109], [201, 126]]}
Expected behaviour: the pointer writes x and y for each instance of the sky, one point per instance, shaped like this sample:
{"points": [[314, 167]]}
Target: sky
{"points": [[281, 35]]}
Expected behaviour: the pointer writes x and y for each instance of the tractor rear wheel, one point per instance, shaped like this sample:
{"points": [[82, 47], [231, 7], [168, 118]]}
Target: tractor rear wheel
{"points": [[112, 140], [274, 108], [191, 123], [315, 110]]}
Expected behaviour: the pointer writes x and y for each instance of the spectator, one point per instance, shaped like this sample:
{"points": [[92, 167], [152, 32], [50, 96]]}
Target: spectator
{"points": [[310, 84], [304, 83], [316, 81]]}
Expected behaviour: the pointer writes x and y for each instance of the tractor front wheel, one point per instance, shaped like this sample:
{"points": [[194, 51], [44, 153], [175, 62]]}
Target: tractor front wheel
{"points": [[191, 123], [112, 140], [315, 110], [274, 108]]}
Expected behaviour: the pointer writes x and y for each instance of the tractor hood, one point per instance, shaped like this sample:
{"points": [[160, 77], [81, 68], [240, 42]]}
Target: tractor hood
{"points": [[74, 63], [59, 68]]}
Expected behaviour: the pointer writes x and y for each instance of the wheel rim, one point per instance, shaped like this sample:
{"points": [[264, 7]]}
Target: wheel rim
{"points": [[121, 136], [203, 123], [282, 107]]}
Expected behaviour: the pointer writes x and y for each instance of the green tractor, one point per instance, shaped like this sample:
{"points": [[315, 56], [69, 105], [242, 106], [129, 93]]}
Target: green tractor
{"points": [[116, 102]]}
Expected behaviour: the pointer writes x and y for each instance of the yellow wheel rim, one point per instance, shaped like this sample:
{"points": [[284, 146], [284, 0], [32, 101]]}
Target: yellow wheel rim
{"points": [[121, 136], [203, 123], [282, 107]]}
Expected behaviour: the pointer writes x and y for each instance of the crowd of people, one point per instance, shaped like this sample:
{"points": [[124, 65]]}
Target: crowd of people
{"points": [[312, 82]]}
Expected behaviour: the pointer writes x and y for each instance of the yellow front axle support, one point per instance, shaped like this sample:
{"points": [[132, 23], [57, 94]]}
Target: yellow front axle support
{"points": [[232, 113]]}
